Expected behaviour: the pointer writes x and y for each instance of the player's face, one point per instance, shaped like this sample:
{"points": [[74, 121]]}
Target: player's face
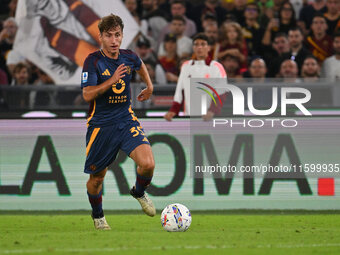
{"points": [[111, 41], [201, 49]]}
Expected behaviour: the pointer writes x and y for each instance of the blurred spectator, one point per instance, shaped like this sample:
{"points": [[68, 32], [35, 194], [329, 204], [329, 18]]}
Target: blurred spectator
{"points": [[319, 44], [178, 8], [309, 11], [184, 43], [232, 66], [270, 31], [310, 71], [281, 44], [211, 31], [273, 55], [257, 70], [169, 61], [289, 71], [238, 10], [156, 73], [131, 5], [154, 17], [145, 52], [251, 29], [233, 43], [285, 21], [332, 15], [297, 52], [287, 17], [21, 75], [7, 36], [209, 19], [270, 10], [331, 66], [211, 7]]}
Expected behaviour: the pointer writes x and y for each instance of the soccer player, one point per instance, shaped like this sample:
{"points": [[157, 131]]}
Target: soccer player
{"points": [[199, 67], [112, 124]]}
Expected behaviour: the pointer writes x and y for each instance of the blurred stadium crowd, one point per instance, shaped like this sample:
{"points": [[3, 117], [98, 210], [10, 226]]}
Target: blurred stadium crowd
{"points": [[296, 40]]}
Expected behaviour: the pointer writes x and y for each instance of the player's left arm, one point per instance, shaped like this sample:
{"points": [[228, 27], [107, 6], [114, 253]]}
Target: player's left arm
{"points": [[147, 92]]}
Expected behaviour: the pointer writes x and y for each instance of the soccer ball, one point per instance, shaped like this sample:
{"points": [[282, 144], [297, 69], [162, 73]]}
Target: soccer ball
{"points": [[176, 218]]}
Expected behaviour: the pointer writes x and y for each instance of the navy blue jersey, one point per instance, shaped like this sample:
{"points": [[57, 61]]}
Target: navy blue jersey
{"points": [[114, 106]]}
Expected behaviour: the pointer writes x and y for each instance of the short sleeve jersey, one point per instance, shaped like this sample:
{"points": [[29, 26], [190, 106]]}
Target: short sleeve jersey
{"points": [[114, 106]]}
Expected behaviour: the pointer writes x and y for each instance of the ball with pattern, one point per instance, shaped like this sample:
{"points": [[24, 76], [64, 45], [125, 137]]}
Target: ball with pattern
{"points": [[176, 218]]}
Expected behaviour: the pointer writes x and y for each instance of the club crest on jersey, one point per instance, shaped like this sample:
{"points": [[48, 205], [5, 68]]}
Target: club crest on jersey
{"points": [[118, 87], [84, 76], [128, 70]]}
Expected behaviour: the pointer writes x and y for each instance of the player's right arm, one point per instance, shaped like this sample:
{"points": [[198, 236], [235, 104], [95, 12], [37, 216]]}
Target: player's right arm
{"points": [[92, 92]]}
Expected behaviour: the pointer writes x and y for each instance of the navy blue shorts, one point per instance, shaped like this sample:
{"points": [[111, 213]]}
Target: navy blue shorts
{"points": [[103, 143]]}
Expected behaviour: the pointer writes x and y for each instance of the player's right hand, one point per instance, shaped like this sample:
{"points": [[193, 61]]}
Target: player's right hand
{"points": [[169, 115], [119, 73]]}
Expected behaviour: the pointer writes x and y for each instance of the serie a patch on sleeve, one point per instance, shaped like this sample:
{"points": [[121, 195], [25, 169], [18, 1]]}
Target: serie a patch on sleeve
{"points": [[85, 76]]}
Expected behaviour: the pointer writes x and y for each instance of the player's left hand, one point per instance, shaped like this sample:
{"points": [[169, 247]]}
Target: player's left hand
{"points": [[144, 95]]}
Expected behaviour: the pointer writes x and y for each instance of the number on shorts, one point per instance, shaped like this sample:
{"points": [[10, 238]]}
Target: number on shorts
{"points": [[137, 131]]}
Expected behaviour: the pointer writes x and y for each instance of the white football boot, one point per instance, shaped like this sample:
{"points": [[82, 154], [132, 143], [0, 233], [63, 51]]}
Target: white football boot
{"points": [[145, 202], [100, 223]]}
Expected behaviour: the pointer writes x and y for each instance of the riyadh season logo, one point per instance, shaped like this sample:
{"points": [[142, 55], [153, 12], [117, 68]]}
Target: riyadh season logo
{"points": [[286, 98]]}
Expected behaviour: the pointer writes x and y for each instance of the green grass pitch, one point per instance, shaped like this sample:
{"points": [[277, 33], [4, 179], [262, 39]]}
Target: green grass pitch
{"points": [[210, 233]]}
